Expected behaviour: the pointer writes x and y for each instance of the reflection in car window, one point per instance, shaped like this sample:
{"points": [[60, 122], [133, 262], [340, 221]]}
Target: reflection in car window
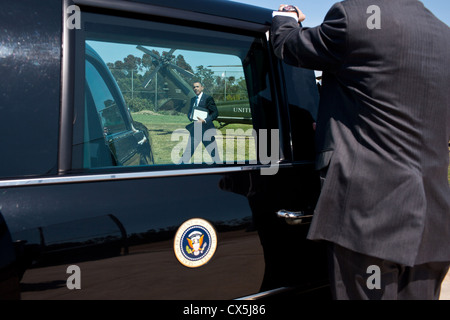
{"points": [[155, 65], [111, 119]]}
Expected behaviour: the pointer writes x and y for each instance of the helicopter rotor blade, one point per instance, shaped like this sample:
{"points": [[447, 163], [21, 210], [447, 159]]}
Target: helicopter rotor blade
{"points": [[171, 52], [183, 71], [150, 53], [150, 77]]}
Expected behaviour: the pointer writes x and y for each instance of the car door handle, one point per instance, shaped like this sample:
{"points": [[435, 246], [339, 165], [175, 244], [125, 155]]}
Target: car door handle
{"points": [[295, 217]]}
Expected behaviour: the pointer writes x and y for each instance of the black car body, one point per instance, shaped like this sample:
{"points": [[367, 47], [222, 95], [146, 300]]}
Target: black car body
{"points": [[82, 185]]}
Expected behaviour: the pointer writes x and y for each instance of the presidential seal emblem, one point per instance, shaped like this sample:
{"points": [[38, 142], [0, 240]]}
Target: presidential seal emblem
{"points": [[195, 243]]}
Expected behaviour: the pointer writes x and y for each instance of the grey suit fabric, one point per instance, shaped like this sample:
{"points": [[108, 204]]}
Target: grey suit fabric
{"points": [[383, 127], [351, 280]]}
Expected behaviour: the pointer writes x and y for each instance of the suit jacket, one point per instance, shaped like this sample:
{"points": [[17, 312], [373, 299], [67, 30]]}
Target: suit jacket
{"points": [[206, 102], [383, 127]]}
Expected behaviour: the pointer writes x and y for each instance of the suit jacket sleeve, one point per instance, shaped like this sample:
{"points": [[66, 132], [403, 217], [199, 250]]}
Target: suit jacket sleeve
{"points": [[319, 48], [213, 113], [191, 108]]}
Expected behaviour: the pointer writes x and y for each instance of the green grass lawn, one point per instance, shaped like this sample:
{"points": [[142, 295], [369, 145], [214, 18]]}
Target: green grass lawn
{"points": [[160, 128], [233, 145]]}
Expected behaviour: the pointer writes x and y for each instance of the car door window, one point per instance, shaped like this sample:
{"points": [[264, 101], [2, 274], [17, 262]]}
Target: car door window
{"points": [[154, 66]]}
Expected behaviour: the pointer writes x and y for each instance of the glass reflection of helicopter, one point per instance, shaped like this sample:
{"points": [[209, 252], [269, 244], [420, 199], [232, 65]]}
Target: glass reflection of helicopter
{"points": [[177, 92]]}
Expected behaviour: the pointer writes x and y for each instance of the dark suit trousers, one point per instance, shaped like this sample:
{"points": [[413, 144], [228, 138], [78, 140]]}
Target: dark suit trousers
{"points": [[351, 280], [196, 136]]}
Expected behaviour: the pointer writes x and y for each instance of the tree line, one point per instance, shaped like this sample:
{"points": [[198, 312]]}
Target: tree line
{"points": [[133, 72]]}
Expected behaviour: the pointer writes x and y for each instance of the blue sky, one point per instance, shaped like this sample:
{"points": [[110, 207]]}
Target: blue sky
{"points": [[315, 10]]}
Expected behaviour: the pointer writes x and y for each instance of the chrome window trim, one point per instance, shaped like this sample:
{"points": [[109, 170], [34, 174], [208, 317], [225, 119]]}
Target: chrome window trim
{"points": [[265, 294], [67, 94], [124, 176], [277, 291]]}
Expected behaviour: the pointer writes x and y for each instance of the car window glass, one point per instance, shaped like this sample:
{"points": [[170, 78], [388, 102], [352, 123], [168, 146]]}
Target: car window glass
{"points": [[303, 99], [153, 67], [109, 113]]}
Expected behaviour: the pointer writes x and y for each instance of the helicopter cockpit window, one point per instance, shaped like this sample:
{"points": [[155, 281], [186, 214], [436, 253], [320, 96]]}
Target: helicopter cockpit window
{"points": [[158, 70]]}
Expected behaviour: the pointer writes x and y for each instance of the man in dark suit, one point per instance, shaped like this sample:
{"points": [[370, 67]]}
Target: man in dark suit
{"points": [[382, 143], [201, 129]]}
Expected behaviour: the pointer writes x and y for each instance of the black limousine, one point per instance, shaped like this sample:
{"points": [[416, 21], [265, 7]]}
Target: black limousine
{"points": [[94, 200]]}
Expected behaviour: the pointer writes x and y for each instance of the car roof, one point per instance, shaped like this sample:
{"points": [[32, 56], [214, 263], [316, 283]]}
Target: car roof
{"points": [[222, 8]]}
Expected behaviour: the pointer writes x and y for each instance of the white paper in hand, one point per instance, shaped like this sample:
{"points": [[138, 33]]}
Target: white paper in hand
{"points": [[200, 114]]}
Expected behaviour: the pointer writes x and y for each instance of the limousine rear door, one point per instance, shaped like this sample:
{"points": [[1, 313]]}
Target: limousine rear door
{"points": [[171, 230]]}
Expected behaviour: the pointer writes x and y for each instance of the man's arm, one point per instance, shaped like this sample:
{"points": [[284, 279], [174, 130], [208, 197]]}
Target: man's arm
{"points": [[189, 114], [212, 108], [319, 48]]}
